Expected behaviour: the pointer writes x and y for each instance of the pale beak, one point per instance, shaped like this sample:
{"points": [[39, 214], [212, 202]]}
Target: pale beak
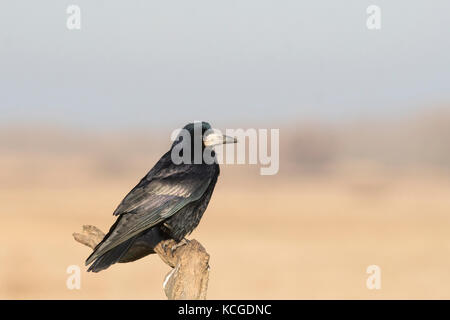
{"points": [[214, 139]]}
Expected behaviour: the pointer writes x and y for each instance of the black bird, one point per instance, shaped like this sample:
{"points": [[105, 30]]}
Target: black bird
{"points": [[167, 203]]}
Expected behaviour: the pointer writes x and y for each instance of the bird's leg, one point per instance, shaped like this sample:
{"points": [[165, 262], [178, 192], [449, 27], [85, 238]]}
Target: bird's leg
{"points": [[179, 244], [166, 250], [163, 249]]}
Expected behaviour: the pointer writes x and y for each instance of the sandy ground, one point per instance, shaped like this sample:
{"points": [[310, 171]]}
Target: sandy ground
{"points": [[280, 237]]}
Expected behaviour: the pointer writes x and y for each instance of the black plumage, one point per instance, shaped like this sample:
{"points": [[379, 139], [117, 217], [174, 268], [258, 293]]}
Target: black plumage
{"points": [[167, 203]]}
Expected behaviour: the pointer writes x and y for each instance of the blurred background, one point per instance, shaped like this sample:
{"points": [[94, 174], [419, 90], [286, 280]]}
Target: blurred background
{"points": [[364, 119]]}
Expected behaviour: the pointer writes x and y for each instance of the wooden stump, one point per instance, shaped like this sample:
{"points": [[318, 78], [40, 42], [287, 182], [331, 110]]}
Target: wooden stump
{"points": [[190, 262]]}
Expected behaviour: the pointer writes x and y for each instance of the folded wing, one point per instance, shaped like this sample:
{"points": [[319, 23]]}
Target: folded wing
{"points": [[161, 193]]}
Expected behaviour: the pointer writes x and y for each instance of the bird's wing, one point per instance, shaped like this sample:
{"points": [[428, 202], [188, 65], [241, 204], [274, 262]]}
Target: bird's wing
{"points": [[166, 183], [158, 196]]}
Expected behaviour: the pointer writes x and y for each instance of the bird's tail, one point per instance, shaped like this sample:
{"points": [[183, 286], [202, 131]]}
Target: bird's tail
{"points": [[101, 259], [130, 250], [112, 256]]}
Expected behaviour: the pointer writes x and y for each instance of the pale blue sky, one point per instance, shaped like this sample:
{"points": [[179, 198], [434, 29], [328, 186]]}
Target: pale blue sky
{"points": [[163, 63]]}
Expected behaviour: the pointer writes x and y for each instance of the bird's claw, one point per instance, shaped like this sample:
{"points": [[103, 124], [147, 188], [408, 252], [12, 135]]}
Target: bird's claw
{"points": [[179, 244]]}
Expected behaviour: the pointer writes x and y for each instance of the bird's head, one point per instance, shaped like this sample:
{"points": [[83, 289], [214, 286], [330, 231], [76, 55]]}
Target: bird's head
{"points": [[203, 134], [200, 135]]}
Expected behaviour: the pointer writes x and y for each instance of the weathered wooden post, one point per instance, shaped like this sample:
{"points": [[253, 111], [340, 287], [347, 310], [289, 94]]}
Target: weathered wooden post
{"points": [[189, 276]]}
